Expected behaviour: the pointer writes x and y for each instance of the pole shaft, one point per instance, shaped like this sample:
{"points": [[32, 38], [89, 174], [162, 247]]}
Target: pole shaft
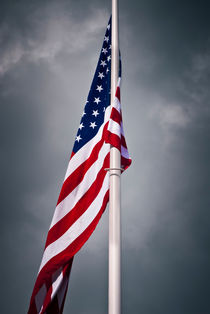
{"points": [[114, 197]]}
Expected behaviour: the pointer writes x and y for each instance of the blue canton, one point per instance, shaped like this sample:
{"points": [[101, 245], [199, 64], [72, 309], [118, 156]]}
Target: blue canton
{"points": [[99, 96]]}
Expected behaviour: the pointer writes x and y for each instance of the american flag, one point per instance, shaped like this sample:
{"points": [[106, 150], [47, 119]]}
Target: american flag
{"points": [[85, 191]]}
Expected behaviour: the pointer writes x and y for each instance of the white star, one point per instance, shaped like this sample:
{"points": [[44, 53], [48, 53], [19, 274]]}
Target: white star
{"points": [[108, 26], [78, 138], [99, 88], [104, 109], [92, 125], [108, 58], [104, 50], [83, 113], [81, 126], [103, 63], [97, 100], [100, 74], [87, 101], [95, 113], [107, 70], [106, 38], [110, 46]]}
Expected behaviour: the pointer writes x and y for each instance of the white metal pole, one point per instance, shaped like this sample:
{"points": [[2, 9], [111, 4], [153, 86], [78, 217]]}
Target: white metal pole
{"points": [[114, 197]]}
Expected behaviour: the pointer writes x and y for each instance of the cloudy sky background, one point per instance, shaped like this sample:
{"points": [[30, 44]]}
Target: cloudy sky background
{"points": [[48, 54]]}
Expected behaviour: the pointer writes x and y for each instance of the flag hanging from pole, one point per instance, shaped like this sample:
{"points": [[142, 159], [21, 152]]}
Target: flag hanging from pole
{"points": [[85, 191]]}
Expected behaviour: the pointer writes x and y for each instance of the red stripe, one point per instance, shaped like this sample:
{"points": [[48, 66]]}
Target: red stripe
{"points": [[113, 139], [125, 162], [32, 307], [65, 223], [77, 176], [63, 258], [116, 116], [72, 154], [118, 93]]}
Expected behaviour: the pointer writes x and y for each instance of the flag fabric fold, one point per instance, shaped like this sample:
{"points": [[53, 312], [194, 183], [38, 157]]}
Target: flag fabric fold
{"points": [[85, 190], [115, 133]]}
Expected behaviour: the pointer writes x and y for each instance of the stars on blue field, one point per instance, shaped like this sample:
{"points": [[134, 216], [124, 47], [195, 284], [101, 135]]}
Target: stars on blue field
{"points": [[99, 88], [99, 96], [95, 113]]}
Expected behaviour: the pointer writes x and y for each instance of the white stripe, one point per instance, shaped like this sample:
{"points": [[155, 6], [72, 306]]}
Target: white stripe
{"points": [[70, 201], [57, 278], [114, 127], [119, 81], [78, 227], [86, 150], [124, 152], [117, 104], [122, 129]]}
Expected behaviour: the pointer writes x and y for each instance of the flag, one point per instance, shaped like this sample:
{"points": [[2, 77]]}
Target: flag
{"points": [[85, 190]]}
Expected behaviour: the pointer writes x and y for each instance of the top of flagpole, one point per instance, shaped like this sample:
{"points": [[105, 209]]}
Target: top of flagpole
{"points": [[115, 49]]}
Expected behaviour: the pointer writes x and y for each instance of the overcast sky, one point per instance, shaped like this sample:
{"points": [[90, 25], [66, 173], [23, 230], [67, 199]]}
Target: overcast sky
{"points": [[48, 54]]}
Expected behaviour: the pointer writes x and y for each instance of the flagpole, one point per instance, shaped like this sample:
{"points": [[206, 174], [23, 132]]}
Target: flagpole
{"points": [[114, 306]]}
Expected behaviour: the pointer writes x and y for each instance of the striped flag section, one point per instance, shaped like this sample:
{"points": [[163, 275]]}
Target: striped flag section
{"points": [[115, 133], [85, 191]]}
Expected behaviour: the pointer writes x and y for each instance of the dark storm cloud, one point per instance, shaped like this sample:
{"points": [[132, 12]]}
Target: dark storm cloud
{"points": [[48, 55]]}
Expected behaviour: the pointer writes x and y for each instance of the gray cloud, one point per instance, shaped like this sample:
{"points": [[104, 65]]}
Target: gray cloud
{"points": [[48, 56]]}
